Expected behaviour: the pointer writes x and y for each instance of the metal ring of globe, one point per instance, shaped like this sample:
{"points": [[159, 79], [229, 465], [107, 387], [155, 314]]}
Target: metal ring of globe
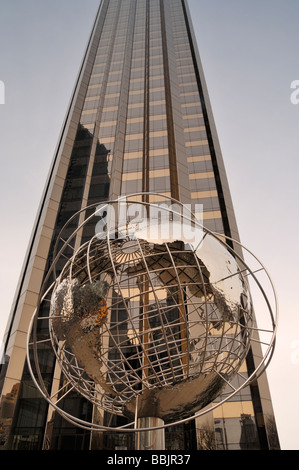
{"points": [[153, 315]]}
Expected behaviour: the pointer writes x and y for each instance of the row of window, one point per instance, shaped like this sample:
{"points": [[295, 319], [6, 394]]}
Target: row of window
{"points": [[191, 108]]}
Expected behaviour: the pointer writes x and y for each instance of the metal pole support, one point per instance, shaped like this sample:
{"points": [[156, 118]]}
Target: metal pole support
{"points": [[152, 439]]}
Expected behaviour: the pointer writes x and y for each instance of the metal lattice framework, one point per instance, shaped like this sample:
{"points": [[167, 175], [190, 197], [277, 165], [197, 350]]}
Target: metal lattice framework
{"points": [[150, 311]]}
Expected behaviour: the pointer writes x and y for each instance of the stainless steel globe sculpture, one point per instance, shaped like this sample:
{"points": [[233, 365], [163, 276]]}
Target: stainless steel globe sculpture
{"points": [[151, 317]]}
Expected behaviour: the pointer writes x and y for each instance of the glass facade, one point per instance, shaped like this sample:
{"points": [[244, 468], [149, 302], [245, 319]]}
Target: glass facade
{"points": [[139, 121]]}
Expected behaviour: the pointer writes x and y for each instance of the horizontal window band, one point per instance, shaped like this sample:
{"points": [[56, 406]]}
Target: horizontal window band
{"points": [[190, 93], [89, 111], [136, 92], [159, 173], [190, 105], [92, 98], [134, 136], [135, 105], [132, 176], [233, 409], [152, 134], [210, 215], [132, 155], [95, 86], [199, 158], [135, 120], [97, 75], [106, 140], [108, 124], [192, 116], [204, 174], [153, 198], [187, 84], [112, 95], [157, 117], [89, 127], [137, 175], [194, 129], [196, 143], [110, 108], [204, 194], [152, 153], [159, 152]]}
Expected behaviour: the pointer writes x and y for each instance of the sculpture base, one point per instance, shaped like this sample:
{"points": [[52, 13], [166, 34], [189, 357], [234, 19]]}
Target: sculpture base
{"points": [[150, 440]]}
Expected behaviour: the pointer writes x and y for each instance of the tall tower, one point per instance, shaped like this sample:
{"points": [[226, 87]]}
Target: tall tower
{"points": [[139, 120]]}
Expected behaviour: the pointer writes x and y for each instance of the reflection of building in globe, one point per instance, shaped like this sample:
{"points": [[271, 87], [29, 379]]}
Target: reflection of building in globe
{"points": [[151, 324], [167, 321]]}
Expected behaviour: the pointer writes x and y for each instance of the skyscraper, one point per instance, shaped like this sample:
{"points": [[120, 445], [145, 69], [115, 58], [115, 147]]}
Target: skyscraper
{"points": [[139, 121]]}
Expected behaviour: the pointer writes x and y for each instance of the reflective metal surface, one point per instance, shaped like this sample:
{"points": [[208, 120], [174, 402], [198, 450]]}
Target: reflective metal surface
{"points": [[159, 311], [151, 440], [155, 318]]}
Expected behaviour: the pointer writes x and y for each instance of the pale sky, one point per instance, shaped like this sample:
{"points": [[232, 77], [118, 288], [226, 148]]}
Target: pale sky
{"points": [[249, 52]]}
